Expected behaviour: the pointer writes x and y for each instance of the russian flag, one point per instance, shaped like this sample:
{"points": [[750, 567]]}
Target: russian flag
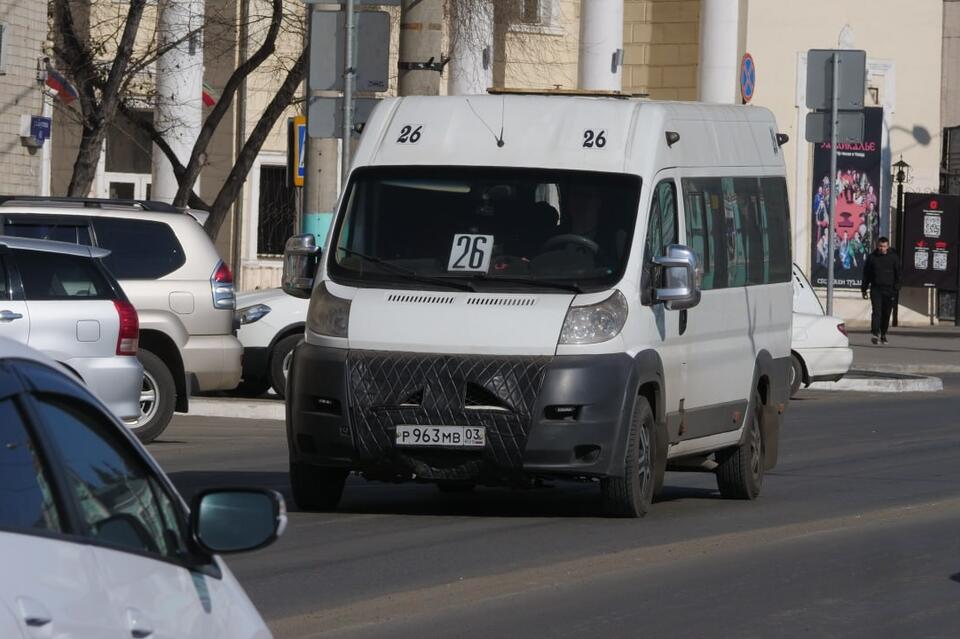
{"points": [[65, 91], [208, 95]]}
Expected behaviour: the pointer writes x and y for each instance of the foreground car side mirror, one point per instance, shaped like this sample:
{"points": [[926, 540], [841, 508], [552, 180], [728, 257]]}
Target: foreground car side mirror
{"points": [[680, 278], [301, 255], [237, 520]]}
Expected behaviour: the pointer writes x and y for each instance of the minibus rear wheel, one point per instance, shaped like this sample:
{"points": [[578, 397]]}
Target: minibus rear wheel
{"points": [[740, 469], [631, 494]]}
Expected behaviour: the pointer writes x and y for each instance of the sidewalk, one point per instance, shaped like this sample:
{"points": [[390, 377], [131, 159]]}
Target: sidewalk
{"points": [[921, 351]]}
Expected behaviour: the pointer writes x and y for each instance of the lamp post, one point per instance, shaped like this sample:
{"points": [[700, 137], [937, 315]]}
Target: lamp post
{"points": [[902, 169]]}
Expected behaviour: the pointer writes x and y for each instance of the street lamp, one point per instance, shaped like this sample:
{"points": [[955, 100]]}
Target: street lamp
{"points": [[901, 176]]}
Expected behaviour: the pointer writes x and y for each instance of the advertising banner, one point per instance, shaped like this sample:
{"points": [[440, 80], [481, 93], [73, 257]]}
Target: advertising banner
{"points": [[931, 231], [856, 226]]}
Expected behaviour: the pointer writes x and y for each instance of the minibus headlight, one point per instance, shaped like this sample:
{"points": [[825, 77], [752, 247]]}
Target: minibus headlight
{"points": [[328, 315], [595, 323]]}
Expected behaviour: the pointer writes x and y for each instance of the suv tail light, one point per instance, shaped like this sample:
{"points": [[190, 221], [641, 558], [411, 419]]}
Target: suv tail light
{"points": [[842, 328], [128, 339], [222, 284]]}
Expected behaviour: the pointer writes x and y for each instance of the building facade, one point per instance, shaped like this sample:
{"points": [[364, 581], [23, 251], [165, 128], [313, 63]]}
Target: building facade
{"points": [[22, 36]]}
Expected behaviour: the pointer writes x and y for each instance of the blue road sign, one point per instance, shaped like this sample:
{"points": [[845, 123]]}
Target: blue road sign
{"points": [[748, 77]]}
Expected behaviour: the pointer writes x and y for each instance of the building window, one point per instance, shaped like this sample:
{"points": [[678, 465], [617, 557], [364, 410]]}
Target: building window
{"points": [[129, 148], [3, 48], [530, 12], [278, 210]]}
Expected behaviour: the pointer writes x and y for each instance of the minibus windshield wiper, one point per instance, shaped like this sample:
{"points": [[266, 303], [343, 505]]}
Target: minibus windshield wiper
{"points": [[410, 273], [572, 286]]}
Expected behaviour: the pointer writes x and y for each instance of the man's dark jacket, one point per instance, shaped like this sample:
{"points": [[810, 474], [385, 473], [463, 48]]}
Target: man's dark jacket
{"points": [[882, 272]]}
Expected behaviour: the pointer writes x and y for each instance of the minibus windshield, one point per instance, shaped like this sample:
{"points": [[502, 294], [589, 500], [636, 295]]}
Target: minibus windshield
{"points": [[491, 229]]}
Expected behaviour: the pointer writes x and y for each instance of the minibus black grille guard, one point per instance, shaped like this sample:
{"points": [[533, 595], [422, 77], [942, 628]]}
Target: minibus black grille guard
{"points": [[387, 389]]}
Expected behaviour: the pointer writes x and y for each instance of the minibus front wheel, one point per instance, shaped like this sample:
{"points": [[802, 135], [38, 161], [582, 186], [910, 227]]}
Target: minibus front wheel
{"points": [[630, 494]]}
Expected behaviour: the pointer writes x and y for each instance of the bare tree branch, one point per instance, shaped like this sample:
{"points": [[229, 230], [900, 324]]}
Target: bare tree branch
{"points": [[248, 154], [248, 66]]}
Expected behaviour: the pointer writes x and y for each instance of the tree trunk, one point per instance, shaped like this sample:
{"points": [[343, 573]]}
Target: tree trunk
{"points": [[85, 166], [238, 175]]}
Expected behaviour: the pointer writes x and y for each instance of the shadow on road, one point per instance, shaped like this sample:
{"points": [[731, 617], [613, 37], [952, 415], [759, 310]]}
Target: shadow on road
{"points": [[554, 499]]}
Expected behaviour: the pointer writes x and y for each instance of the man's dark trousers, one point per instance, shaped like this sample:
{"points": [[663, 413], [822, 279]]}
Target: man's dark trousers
{"points": [[881, 299]]}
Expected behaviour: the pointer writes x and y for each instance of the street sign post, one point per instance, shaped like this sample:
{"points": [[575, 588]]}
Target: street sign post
{"points": [[298, 145], [836, 80], [328, 47], [325, 115]]}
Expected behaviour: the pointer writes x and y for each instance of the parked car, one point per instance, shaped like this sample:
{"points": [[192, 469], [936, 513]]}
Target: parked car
{"points": [[96, 541], [271, 326], [174, 277], [820, 350], [60, 299]]}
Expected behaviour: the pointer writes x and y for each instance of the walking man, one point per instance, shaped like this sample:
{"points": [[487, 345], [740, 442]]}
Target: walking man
{"points": [[881, 274]]}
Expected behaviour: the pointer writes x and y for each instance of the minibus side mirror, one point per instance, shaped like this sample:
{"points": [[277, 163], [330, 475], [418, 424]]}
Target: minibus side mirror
{"points": [[680, 278], [301, 255]]}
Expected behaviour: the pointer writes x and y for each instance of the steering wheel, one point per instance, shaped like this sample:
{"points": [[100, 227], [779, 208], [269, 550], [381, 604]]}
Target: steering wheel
{"points": [[571, 238]]}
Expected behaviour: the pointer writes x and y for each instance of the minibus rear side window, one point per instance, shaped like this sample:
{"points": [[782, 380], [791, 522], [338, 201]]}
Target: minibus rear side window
{"points": [[776, 216]]}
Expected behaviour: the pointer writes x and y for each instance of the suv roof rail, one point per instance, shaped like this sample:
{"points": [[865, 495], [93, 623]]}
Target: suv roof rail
{"points": [[90, 202]]}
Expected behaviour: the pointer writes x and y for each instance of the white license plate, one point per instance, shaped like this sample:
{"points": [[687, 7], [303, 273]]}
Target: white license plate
{"points": [[442, 436]]}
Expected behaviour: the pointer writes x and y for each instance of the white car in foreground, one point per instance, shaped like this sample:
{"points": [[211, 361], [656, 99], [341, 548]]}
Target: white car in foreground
{"points": [[95, 540], [820, 350], [271, 325]]}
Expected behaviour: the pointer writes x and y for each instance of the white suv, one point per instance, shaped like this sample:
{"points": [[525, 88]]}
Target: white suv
{"points": [[61, 300], [170, 270]]}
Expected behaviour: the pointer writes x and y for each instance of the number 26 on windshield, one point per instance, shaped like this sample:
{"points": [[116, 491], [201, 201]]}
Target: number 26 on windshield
{"points": [[470, 253], [594, 139]]}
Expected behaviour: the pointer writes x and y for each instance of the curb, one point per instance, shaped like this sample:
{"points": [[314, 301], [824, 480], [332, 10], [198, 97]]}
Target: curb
{"points": [[916, 369], [237, 408], [876, 381]]}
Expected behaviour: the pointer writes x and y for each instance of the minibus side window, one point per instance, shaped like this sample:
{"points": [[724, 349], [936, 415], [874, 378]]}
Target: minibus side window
{"points": [[776, 215], [662, 228], [706, 228], [751, 230], [735, 235]]}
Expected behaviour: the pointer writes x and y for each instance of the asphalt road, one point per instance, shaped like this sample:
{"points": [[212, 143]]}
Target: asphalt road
{"points": [[856, 534]]}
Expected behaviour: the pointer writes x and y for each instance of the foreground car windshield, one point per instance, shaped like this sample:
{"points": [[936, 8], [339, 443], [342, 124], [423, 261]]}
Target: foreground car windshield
{"points": [[523, 227]]}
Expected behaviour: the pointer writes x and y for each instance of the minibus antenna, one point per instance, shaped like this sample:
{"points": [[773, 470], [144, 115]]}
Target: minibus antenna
{"points": [[498, 138]]}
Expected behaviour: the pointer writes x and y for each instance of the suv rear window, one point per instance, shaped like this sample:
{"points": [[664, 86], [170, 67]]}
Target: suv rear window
{"points": [[53, 229], [139, 249], [52, 276]]}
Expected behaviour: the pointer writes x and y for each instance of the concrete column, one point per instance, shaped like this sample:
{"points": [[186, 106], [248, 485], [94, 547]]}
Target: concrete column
{"points": [[601, 45], [719, 51], [421, 35], [471, 42], [179, 82]]}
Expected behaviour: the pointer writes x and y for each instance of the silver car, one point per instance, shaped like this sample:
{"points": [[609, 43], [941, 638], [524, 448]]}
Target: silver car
{"points": [[60, 299]]}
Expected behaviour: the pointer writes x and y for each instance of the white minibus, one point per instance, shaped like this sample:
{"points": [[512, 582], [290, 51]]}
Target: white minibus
{"points": [[517, 287]]}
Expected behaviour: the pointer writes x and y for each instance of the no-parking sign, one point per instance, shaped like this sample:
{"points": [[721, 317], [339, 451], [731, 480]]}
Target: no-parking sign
{"points": [[748, 77]]}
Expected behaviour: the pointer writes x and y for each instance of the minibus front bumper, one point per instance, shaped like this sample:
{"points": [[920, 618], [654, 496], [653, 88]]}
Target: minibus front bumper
{"points": [[542, 416]]}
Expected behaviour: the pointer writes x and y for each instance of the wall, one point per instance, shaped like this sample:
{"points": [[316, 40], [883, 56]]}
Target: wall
{"points": [[20, 93], [661, 48], [903, 48], [950, 74]]}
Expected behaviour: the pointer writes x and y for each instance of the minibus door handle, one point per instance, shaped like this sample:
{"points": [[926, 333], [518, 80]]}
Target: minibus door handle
{"points": [[683, 321]]}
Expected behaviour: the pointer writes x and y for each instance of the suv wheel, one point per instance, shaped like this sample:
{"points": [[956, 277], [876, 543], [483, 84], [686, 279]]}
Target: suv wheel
{"points": [[315, 488], [796, 374], [280, 360], [158, 397]]}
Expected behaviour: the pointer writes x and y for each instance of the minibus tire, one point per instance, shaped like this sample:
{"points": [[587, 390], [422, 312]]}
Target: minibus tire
{"points": [[630, 495], [455, 486], [316, 489], [740, 469]]}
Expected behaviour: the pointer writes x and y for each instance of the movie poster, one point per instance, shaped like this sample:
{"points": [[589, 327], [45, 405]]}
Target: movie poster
{"points": [[857, 223]]}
